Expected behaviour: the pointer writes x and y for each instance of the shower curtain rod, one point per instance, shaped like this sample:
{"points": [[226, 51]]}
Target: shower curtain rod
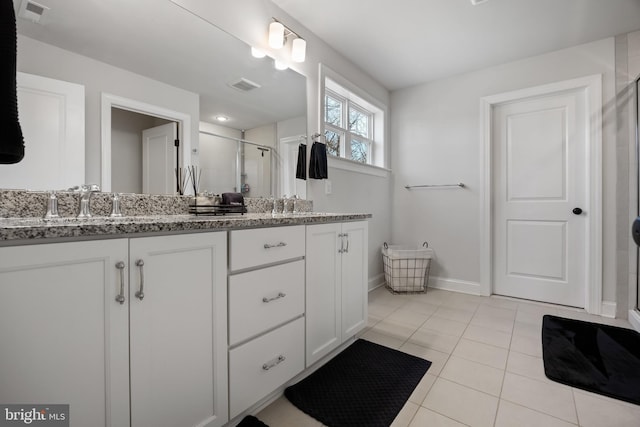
{"points": [[238, 139]]}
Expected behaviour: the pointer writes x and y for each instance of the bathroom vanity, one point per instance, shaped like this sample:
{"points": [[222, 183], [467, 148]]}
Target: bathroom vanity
{"points": [[174, 319]]}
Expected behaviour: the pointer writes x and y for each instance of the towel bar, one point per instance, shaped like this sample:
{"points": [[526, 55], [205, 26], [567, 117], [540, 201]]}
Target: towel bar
{"points": [[409, 187]]}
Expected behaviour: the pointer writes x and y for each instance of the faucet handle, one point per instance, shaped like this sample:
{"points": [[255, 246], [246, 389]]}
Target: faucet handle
{"points": [[115, 206], [52, 206]]}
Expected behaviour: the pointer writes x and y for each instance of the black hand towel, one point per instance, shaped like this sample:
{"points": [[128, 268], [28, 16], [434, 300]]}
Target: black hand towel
{"points": [[318, 161], [12, 143], [301, 169]]}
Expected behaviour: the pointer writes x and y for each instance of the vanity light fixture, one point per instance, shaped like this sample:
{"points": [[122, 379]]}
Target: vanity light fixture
{"points": [[280, 65], [278, 36], [257, 53]]}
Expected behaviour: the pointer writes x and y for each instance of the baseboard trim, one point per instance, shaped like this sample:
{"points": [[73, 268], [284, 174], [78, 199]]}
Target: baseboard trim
{"points": [[463, 286], [376, 281], [634, 319], [608, 309]]}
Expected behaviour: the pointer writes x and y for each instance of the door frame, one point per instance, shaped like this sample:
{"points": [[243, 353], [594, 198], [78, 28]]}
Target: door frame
{"points": [[592, 86], [109, 101]]}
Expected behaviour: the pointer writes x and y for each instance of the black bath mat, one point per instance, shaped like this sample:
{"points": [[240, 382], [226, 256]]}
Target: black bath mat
{"points": [[251, 421], [599, 358], [365, 385]]}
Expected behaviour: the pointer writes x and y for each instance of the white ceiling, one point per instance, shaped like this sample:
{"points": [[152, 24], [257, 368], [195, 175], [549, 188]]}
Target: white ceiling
{"points": [[165, 42], [402, 43]]}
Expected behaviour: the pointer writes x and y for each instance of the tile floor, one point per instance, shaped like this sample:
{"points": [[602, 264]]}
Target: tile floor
{"points": [[486, 370]]}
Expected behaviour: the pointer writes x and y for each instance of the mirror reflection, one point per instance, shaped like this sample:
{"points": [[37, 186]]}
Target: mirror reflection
{"points": [[169, 54]]}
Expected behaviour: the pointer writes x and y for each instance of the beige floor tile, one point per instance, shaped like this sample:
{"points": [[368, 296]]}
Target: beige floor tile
{"points": [[380, 310], [534, 319], [420, 307], [445, 326], [527, 330], [502, 302], [527, 345], [461, 403], [435, 340], [422, 389], [474, 375], [487, 336], [481, 353], [552, 399], [497, 312], [512, 415], [283, 413], [456, 314], [383, 339], [464, 304], [425, 417], [408, 317], [540, 308], [492, 322], [394, 329], [526, 365], [595, 411], [437, 358], [405, 415]]}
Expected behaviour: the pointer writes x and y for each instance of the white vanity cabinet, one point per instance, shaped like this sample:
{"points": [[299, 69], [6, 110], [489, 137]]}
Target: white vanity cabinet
{"points": [[64, 338], [266, 305], [178, 330], [336, 279], [75, 329]]}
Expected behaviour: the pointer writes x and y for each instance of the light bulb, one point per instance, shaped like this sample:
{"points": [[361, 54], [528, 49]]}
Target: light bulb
{"points": [[276, 35], [257, 53], [280, 65], [298, 50]]}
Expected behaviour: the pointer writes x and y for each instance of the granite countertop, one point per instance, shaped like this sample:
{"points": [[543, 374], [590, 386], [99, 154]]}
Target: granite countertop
{"points": [[19, 230]]}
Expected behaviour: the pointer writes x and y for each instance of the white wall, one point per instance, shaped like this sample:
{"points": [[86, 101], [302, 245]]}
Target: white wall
{"points": [[248, 20], [42, 59], [436, 140]]}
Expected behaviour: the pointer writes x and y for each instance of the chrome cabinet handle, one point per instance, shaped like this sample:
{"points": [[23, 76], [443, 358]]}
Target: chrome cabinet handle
{"points": [[273, 363], [140, 293], [280, 295], [120, 297], [341, 236], [279, 245], [347, 236]]}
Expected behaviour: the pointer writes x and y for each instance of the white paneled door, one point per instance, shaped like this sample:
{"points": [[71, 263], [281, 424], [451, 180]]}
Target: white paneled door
{"points": [[159, 159], [540, 202]]}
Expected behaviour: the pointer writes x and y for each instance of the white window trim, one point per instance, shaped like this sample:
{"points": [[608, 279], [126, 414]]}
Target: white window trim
{"points": [[380, 147]]}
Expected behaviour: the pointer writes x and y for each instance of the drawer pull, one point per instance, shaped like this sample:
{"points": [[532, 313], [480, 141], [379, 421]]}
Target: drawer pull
{"points": [[273, 363], [280, 295], [120, 297], [279, 245], [140, 293]]}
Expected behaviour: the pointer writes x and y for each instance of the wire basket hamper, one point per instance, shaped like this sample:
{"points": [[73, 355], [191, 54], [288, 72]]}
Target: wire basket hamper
{"points": [[406, 269]]}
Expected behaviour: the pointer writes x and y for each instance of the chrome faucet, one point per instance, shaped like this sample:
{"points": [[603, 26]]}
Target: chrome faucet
{"points": [[85, 198], [52, 206]]}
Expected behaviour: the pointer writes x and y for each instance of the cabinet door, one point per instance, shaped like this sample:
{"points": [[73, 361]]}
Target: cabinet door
{"points": [[323, 330], [355, 269], [178, 330], [64, 337]]}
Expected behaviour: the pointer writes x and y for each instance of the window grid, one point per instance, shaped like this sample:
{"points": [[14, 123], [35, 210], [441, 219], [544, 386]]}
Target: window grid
{"points": [[353, 141]]}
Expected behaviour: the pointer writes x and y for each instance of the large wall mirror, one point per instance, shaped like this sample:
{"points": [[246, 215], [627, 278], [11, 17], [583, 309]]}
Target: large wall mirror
{"points": [[168, 48]]}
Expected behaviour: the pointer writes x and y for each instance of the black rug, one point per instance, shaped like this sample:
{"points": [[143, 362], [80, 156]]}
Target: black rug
{"points": [[599, 358], [251, 421], [365, 385]]}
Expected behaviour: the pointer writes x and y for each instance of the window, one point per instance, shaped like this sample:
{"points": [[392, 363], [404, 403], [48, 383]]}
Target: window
{"points": [[352, 126]]}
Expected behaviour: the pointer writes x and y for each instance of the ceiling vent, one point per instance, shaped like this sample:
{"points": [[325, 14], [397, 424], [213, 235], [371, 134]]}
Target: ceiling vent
{"points": [[31, 10], [244, 85]]}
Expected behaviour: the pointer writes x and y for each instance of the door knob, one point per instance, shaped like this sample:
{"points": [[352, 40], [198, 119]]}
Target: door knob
{"points": [[577, 211]]}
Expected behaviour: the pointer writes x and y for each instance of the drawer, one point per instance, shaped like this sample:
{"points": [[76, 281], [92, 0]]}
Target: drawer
{"points": [[262, 365], [251, 248], [262, 299]]}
